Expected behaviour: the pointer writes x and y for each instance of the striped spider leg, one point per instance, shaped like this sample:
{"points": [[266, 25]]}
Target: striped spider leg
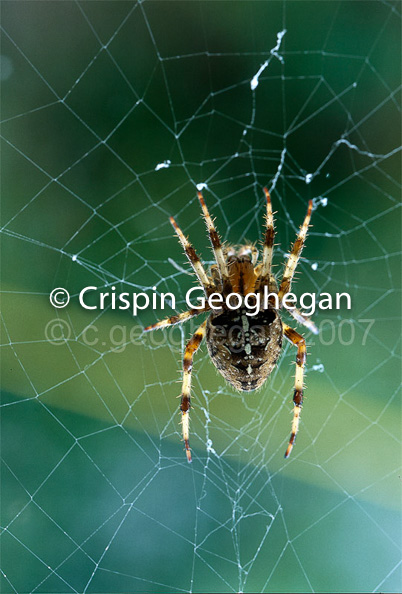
{"points": [[294, 337], [185, 404], [265, 278], [208, 286], [295, 255], [297, 340], [202, 276], [265, 268], [216, 247], [303, 320], [191, 348]]}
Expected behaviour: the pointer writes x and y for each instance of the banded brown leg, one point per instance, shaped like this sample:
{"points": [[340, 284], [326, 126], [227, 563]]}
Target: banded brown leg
{"points": [[176, 319], [303, 320], [268, 246], [216, 245], [295, 255], [185, 405], [194, 259], [298, 341]]}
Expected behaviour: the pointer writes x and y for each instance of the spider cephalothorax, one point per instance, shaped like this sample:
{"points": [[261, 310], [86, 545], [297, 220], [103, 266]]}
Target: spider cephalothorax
{"points": [[243, 347]]}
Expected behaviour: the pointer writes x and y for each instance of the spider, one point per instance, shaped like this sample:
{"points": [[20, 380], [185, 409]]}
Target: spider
{"points": [[244, 348]]}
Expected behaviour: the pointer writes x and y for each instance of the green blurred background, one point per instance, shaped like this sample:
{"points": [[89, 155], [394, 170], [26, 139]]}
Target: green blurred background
{"points": [[97, 495]]}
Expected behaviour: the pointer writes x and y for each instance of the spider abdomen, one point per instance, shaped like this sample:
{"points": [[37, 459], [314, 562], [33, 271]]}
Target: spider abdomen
{"points": [[244, 348]]}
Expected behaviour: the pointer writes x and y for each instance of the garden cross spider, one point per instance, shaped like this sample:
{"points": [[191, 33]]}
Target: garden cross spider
{"points": [[244, 348]]}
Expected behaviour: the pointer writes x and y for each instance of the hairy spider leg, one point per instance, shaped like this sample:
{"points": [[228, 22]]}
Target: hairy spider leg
{"points": [[295, 255], [185, 405], [298, 341], [302, 319], [193, 259], [266, 264], [216, 246], [177, 319]]}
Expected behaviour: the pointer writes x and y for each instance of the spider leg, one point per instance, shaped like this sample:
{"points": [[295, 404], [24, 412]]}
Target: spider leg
{"points": [[185, 405], [177, 319], [265, 271], [295, 255], [298, 341], [302, 319], [193, 258], [216, 245]]}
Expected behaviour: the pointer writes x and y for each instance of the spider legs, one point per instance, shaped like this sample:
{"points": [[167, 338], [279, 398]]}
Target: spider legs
{"points": [[193, 258], [263, 270], [268, 243], [295, 255], [185, 405], [191, 348], [216, 245], [298, 341], [177, 319], [302, 319]]}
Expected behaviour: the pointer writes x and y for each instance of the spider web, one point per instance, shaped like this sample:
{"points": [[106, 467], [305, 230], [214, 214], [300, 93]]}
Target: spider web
{"points": [[114, 113]]}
